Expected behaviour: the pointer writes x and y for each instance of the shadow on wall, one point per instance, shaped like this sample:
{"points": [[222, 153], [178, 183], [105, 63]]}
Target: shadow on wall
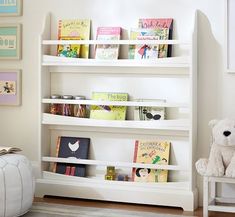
{"points": [[210, 69]]}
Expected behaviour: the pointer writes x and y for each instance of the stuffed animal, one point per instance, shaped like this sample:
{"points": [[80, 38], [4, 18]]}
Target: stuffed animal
{"points": [[221, 161]]}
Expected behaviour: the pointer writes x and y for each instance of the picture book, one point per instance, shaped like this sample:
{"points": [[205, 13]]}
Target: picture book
{"points": [[69, 50], [150, 34], [151, 152], [107, 51], [8, 150], [166, 23], [146, 51], [76, 29], [108, 112], [145, 113], [73, 148]]}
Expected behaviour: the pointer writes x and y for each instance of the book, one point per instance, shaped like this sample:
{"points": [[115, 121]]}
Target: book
{"points": [[8, 150], [146, 113], [74, 148], [108, 112], [151, 152], [107, 51], [151, 34], [155, 23], [146, 51], [74, 29]]}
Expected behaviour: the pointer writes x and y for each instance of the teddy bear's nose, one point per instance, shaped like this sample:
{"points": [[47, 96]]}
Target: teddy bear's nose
{"points": [[227, 133]]}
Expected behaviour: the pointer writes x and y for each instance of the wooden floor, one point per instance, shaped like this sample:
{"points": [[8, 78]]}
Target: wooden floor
{"points": [[125, 206]]}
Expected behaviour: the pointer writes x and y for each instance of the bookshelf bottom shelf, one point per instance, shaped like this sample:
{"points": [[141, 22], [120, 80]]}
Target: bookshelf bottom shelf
{"points": [[177, 194]]}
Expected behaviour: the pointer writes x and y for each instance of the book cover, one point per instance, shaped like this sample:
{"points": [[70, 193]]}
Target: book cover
{"points": [[69, 50], [151, 34], [108, 112], [107, 51], [72, 147], [151, 152], [146, 51], [167, 23], [146, 113], [76, 29]]}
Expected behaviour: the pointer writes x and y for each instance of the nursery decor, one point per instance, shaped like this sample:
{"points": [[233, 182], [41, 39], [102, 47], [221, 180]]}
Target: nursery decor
{"points": [[16, 185], [10, 7], [10, 87], [221, 161], [10, 41]]}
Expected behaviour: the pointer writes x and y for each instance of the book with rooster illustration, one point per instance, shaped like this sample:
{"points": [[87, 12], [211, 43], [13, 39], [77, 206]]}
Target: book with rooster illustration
{"points": [[73, 148]]}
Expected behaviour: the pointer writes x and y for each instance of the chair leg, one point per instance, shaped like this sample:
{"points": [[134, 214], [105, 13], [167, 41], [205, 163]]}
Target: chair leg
{"points": [[205, 196]]}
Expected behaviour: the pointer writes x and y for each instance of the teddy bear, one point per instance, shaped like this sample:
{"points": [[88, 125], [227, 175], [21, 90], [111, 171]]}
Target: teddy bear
{"points": [[221, 160]]}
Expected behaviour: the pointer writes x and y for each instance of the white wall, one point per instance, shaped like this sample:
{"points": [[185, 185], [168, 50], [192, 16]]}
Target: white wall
{"points": [[216, 90]]}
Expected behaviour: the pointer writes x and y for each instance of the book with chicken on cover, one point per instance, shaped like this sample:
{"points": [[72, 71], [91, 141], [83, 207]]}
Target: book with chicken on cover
{"points": [[160, 23], [108, 112], [8, 150], [107, 51], [74, 29], [151, 152], [73, 148]]}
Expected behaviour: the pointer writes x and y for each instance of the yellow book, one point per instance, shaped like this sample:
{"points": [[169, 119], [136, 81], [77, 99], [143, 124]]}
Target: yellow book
{"points": [[76, 29], [151, 152], [108, 112]]}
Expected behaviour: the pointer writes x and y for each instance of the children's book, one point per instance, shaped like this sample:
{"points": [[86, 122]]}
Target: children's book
{"points": [[108, 51], [145, 113], [151, 152], [8, 150], [146, 51], [155, 23], [76, 29], [73, 148], [154, 34], [108, 112]]}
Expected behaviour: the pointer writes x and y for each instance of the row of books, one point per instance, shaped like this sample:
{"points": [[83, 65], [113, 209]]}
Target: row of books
{"points": [[148, 29], [113, 112], [150, 152]]}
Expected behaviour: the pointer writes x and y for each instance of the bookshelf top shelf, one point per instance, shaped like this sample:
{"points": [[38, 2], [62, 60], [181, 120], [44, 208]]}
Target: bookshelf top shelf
{"points": [[120, 42], [171, 62]]}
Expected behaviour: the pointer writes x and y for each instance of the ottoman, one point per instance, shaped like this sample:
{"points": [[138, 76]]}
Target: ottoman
{"points": [[16, 185]]}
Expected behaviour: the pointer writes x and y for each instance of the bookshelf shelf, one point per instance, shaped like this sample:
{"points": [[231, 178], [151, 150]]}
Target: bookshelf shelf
{"points": [[172, 79]]}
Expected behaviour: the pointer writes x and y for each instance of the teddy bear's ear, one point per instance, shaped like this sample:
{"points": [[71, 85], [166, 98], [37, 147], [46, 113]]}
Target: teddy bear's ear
{"points": [[212, 123]]}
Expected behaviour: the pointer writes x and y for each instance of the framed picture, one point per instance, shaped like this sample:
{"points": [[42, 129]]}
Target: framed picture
{"points": [[230, 36], [10, 41], [10, 87], [10, 7]]}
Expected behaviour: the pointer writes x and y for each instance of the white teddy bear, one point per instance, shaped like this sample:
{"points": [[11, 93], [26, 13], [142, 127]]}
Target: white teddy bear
{"points": [[222, 155]]}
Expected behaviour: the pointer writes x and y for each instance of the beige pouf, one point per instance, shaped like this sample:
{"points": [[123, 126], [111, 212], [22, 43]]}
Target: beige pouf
{"points": [[16, 185]]}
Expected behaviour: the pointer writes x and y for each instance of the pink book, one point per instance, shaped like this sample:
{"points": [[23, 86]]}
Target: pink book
{"points": [[107, 51]]}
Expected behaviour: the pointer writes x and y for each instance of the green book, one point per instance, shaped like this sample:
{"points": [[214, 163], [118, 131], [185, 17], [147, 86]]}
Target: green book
{"points": [[108, 112]]}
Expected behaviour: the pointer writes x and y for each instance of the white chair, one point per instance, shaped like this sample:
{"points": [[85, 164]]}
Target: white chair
{"points": [[210, 199]]}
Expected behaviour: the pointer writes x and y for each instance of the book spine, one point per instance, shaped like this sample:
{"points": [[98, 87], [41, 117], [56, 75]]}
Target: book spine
{"points": [[57, 153], [59, 29], [134, 160]]}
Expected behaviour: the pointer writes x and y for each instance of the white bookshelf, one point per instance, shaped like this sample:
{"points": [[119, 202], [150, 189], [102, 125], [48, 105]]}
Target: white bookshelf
{"points": [[173, 79]]}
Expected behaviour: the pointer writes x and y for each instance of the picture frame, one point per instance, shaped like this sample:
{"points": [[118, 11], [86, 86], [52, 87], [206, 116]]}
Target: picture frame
{"points": [[10, 41], [10, 87], [229, 36], [11, 7]]}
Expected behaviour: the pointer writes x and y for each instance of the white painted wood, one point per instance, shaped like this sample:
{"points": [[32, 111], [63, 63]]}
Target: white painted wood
{"points": [[210, 204], [173, 79], [110, 163], [116, 103], [121, 42], [155, 125], [181, 62]]}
